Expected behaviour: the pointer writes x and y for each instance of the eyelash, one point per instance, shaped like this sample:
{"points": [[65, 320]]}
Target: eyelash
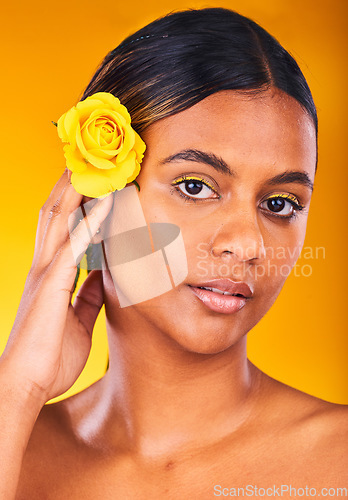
{"points": [[297, 206], [183, 179], [290, 198]]}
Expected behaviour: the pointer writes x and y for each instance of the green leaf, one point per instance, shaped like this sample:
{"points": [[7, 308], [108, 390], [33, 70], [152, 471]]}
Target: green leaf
{"points": [[54, 123], [136, 185], [76, 277]]}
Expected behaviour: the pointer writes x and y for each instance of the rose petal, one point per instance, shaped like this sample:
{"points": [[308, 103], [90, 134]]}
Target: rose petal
{"points": [[123, 111], [128, 166], [135, 173], [108, 128], [102, 163], [88, 138], [107, 98], [95, 183], [70, 123], [139, 146], [107, 119], [111, 115], [106, 134], [63, 136], [108, 116], [110, 153], [128, 143], [99, 117], [66, 126], [95, 132], [85, 109], [95, 161], [117, 141], [102, 153], [92, 182], [115, 146], [79, 142], [114, 103], [74, 160]]}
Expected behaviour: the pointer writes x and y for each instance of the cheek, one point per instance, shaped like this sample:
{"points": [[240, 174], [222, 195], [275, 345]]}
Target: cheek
{"points": [[282, 252]]}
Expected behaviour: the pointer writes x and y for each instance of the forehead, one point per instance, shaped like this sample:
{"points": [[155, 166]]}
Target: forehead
{"points": [[270, 128]]}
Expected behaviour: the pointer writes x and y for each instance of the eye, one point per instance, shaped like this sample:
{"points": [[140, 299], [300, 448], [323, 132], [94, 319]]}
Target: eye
{"points": [[282, 205], [194, 188]]}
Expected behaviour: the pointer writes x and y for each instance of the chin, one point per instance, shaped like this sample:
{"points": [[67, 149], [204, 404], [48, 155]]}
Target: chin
{"points": [[180, 321], [210, 345], [186, 323]]}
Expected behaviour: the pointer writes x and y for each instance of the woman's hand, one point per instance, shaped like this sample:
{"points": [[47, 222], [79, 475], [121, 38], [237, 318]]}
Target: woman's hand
{"points": [[51, 338]]}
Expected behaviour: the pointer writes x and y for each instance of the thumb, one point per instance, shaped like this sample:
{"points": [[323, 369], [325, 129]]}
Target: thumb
{"points": [[89, 300]]}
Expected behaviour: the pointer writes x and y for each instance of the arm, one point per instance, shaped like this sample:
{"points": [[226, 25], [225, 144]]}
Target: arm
{"points": [[51, 339], [19, 409]]}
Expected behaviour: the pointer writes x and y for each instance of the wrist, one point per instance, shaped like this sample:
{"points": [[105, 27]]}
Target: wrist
{"points": [[18, 391]]}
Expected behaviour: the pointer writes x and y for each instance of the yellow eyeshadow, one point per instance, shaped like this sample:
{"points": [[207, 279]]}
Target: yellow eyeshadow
{"points": [[286, 196], [193, 178]]}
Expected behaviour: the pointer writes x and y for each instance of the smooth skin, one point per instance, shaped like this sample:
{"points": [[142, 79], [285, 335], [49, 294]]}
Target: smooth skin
{"points": [[181, 408]]}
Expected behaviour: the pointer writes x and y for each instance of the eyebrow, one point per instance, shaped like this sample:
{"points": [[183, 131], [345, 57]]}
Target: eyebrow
{"points": [[200, 157], [195, 155], [290, 177]]}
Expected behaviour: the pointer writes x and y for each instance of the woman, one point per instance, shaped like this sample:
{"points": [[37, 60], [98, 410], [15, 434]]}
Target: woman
{"points": [[230, 128]]}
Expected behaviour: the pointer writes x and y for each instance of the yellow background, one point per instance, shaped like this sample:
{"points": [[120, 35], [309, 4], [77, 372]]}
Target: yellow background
{"points": [[50, 51]]}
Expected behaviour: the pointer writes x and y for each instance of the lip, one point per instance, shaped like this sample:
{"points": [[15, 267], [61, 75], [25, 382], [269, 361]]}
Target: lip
{"points": [[226, 304]]}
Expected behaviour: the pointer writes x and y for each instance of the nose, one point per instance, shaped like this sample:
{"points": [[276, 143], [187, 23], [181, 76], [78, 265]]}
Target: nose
{"points": [[241, 236]]}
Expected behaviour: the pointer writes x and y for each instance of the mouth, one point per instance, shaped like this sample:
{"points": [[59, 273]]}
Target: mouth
{"points": [[216, 290], [223, 296]]}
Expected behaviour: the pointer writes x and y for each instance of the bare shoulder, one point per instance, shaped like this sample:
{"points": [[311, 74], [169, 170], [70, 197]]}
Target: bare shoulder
{"points": [[322, 421], [46, 444], [53, 449]]}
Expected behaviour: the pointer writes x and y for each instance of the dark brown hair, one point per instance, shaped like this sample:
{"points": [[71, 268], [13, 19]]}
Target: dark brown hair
{"points": [[181, 58]]}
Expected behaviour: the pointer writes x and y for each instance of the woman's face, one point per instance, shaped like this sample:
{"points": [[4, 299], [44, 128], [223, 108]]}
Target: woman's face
{"points": [[243, 215]]}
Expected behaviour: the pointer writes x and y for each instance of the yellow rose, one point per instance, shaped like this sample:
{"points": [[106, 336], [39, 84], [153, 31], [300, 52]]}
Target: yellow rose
{"points": [[103, 151]]}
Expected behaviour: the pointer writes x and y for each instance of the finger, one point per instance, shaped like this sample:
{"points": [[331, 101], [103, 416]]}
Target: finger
{"points": [[89, 300], [57, 228], [74, 248], [45, 210], [56, 191], [63, 179]]}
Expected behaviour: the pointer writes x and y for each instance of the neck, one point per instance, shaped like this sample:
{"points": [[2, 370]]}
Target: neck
{"points": [[158, 397]]}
